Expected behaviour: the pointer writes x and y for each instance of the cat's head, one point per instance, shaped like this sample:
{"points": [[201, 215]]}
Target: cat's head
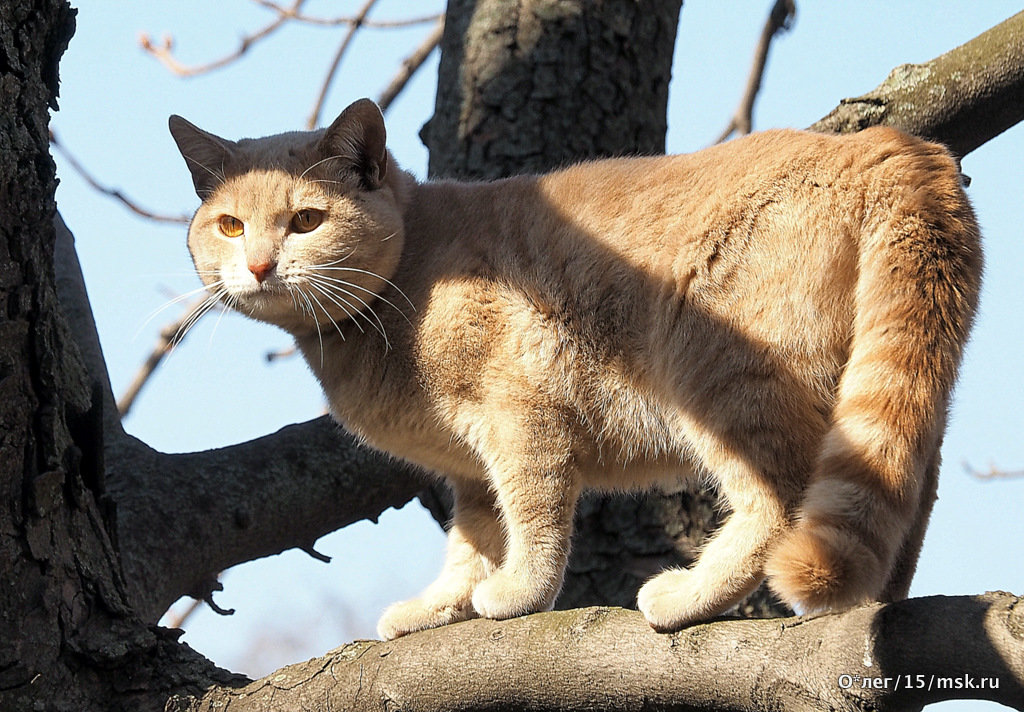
{"points": [[300, 229]]}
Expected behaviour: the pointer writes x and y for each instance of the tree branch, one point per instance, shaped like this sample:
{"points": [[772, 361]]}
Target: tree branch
{"points": [[410, 65], [962, 98], [163, 52], [314, 116], [779, 19], [347, 19], [897, 656], [112, 192], [170, 336], [183, 518]]}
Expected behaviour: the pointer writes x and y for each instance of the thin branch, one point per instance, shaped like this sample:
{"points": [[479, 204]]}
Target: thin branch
{"points": [[314, 117], [170, 336], [993, 473], [779, 20], [112, 192], [346, 20], [179, 620], [163, 51], [410, 65]]}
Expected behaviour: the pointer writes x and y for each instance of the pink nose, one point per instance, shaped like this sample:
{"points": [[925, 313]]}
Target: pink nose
{"points": [[260, 270]]}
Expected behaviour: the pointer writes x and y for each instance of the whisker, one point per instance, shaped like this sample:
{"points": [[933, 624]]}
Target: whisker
{"points": [[204, 307], [316, 323], [328, 315], [353, 285], [377, 276], [376, 322], [322, 160], [343, 304], [180, 298]]}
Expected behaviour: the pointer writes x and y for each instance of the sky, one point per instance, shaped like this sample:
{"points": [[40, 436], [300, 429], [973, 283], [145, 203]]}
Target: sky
{"points": [[217, 388]]}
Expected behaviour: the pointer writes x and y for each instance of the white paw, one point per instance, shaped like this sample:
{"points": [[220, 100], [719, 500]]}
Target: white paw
{"points": [[668, 601], [502, 596], [417, 614]]}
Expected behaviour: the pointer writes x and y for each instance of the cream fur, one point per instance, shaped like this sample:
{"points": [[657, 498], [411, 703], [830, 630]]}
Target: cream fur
{"points": [[784, 313]]}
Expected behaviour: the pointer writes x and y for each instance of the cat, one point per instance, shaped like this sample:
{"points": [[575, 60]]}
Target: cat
{"points": [[782, 315]]}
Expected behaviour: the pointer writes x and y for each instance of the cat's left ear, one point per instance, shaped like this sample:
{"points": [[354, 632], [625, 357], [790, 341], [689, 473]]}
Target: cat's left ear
{"points": [[358, 135], [205, 155]]}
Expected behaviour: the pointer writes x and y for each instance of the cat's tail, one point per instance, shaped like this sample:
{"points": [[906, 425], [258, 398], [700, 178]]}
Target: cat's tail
{"points": [[916, 291]]}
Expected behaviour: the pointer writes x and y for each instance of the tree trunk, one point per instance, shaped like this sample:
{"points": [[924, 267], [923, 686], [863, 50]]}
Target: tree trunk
{"points": [[68, 637]]}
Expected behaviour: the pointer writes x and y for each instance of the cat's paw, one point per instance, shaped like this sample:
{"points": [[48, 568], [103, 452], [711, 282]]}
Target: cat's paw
{"points": [[416, 614], [668, 601], [502, 595]]}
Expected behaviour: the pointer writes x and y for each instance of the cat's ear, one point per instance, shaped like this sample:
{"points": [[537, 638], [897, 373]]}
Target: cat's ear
{"points": [[358, 136], [204, 154]]}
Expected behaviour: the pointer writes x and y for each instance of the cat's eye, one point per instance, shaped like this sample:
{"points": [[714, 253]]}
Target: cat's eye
{"points": [[230, 226], [307, 220]]}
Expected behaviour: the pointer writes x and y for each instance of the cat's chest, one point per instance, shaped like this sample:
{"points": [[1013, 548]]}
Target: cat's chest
{"points": [[375, 394]]}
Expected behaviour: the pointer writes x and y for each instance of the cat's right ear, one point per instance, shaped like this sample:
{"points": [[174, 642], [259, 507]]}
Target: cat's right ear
{"points": [[205, 155]]}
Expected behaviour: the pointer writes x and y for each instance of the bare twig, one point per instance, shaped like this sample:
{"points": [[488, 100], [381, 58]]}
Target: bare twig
{"points": [[314, 117], [179, 620], [163, 51], [993, 473], [169, 337], [410, 65], [345, 20], [112, 192], [779, 19], [288, 352]]}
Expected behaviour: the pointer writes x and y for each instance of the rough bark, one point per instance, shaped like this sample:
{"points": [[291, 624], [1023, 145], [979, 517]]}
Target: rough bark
{"points": [[68, 637], [530, 85], [881, 657]]}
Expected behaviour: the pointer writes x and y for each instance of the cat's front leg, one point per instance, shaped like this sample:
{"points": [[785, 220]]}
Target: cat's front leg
{"points": [[475, 549], [537, 492]]}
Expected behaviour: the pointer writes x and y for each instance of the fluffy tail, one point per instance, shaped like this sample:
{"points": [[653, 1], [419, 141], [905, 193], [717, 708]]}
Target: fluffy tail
{"points": [[919, 275]]}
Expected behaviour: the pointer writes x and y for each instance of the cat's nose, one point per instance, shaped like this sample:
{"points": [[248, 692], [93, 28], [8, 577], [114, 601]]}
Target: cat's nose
{"points": [[260, 270]]}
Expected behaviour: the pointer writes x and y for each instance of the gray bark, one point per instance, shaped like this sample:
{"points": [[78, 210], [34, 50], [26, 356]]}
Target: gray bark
{"points": [[531, 85]]}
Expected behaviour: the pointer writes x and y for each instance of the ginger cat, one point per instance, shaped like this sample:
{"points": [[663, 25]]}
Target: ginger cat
{"points": [[783, 315]]}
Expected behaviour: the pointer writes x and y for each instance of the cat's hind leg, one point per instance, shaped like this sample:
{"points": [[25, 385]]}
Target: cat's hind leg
{"points": [[475, 549], [730, 565]]}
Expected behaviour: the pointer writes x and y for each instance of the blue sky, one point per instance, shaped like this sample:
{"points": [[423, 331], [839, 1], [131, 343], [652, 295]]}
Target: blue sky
{"points": [[217, 388]]}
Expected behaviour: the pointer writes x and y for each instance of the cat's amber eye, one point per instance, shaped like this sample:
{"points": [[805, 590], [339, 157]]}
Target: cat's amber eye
{"points": [[306, 220], [230, 226]]}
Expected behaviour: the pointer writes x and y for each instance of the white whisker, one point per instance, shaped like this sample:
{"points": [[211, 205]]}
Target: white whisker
{"points": [[340, 302], [376, 276], [322, 160], [316, 323], [353, 285], [180, 298]]}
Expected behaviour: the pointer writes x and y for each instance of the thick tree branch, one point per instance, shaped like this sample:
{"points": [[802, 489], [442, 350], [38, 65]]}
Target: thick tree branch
{"points": [[880, 657], [183, 518], [962, 98]]}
